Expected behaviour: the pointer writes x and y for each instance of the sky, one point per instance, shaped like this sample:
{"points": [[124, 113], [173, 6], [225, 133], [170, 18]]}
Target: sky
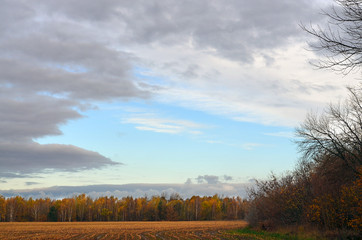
{"points": [[198, 97]]}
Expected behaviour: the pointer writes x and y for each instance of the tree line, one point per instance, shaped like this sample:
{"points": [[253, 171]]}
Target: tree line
{"points": [[325, 189], [157, 208]]}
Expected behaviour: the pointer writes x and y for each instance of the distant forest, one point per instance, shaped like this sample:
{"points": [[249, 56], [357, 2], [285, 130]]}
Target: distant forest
{"points": [[156, 208]]}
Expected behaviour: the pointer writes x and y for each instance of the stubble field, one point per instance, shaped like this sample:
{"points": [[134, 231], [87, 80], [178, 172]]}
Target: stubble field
{"points": [[121, 230]]}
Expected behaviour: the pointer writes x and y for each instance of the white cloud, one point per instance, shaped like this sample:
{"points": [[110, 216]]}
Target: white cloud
{"points": [[279, 93]]}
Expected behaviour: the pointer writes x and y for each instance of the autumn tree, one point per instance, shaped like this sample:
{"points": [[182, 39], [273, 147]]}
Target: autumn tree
{"points": [[80, 206], [67, 209], [15, 208], [325, 189], [332, 141], [89, 209], [127, 209], [141, 208], [2, 209], [335, 135], [173, 210], [34, 209], [156, 208], [195, 203]]}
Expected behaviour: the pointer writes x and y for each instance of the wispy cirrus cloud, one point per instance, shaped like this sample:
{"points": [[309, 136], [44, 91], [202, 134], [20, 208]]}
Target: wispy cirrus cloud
{"points": [[281, 134], [154, 123], [214, 141], [250, 146]]}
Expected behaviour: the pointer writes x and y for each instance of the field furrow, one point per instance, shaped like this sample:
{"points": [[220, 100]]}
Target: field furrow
{"points": [[119, 230]]}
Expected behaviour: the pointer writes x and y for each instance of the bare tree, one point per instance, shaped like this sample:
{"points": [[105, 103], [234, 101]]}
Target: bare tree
{"points": [[341, 40], [336, 134]]}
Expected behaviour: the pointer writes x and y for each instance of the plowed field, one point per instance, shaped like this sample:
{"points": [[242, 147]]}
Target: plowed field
{"points": [[121, 230]]}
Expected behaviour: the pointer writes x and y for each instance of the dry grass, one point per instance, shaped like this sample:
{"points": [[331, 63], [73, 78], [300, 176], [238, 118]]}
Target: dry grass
{"points": [[120, 230]]}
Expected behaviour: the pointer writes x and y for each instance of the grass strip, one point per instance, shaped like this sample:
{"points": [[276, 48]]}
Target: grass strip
{"points": [[252, 234]]}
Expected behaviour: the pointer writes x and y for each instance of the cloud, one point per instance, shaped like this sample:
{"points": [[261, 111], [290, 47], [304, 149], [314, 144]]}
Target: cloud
{"points": [[250, 146], [31, 183], [229, 29], [33, 157], [209, 179], [252, 181], [135, 190], [228, 178], [151, 122], [22, 120], [214, 142], [59, 58], [97, 83], [188, 181], [51, 69], [281, 134], [14, 175]]}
